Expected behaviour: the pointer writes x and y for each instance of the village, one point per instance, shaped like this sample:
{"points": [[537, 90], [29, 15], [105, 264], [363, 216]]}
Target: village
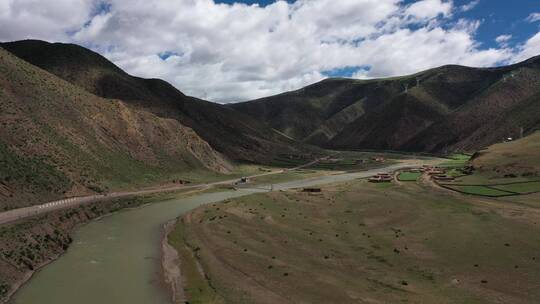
{"points": [[433, 172]]}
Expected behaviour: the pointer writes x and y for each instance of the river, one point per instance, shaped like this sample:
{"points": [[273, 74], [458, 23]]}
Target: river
{"points": [[116, 259]]}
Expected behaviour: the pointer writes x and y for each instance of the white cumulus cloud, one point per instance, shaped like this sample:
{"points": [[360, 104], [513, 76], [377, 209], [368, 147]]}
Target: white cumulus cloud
{"points": [[21, 19], [228, 53], [529, 49], [533, 17], [503, 40], [428, 9], [469, 6]]}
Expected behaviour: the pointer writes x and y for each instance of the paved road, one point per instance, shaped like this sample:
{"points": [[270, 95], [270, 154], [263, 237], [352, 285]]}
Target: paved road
{"points": [[21, 213]]}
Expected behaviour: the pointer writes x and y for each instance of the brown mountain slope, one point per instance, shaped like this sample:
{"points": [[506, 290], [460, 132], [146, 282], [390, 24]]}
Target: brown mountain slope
{"points": [[235, 134], [57, 139], [442, 109]]}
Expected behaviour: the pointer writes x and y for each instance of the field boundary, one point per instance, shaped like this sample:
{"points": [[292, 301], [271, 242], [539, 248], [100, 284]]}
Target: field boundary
{"points": [[489, 186], [448, 187], [502, 184]]}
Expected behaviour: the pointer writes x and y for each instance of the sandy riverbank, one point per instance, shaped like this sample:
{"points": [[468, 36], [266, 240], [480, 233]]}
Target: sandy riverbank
{"points": [[171, 265]]}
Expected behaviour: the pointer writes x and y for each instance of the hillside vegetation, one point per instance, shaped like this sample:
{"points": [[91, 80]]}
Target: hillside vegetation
{"points": [[451, 108], [517, 158], [58, 140], [237, 135]]}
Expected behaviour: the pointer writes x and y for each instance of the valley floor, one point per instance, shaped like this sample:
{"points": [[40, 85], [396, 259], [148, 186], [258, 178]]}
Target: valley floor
{"points": [[32, 237], [358, 242]]}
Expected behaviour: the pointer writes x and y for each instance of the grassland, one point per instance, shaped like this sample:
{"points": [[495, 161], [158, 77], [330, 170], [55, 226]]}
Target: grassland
{"points": [[196, 286], [457, 160], [501, 170], [523, 188], [518, 158], [287, 161], [510, 166], [358, 242], [338, 160]]}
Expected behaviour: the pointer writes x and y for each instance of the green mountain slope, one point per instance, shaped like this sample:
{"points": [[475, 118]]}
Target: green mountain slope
{"points": [[317, 112], [510, 103], [443, 109], [57, 140], [520, 157]]}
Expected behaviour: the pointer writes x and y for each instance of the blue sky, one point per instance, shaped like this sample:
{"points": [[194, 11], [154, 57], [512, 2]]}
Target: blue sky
{"points": [[503, 17], [500, 17], [229, 51]]}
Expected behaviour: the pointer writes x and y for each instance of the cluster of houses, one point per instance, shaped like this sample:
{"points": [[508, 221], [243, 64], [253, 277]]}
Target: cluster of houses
{"points": [[381, 178], [436, 173], [378, 159]]}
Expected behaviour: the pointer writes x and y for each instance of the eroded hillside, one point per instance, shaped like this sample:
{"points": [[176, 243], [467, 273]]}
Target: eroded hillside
{"points": [[59, 140], [235, 134]]}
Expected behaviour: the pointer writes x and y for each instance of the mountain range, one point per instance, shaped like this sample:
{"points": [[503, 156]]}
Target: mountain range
{"points": [[451, 108], [74, 123]]}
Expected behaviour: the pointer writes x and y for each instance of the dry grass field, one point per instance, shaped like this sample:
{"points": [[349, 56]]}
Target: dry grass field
{"points": [[361, 243]]}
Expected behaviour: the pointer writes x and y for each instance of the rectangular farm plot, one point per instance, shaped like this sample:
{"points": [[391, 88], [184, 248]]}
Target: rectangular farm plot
{"points": [[522, 188], [480, 190], [409, 176]]}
